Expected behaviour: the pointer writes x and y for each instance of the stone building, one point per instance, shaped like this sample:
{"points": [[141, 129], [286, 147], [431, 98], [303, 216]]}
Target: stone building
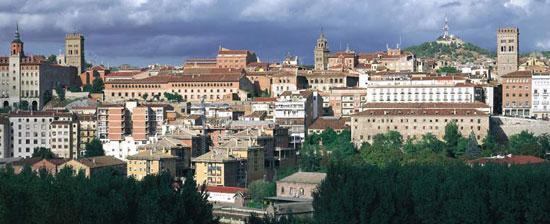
{"points": [[300, 185], [540, 108], [74, 51], [416, 119], [507, 50], [28, 80], [516, 94], [321, 53], [236, 59], [150, 162]]}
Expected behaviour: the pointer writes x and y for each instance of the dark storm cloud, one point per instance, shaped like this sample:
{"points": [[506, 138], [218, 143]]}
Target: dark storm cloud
{"points": [[169, 31]]}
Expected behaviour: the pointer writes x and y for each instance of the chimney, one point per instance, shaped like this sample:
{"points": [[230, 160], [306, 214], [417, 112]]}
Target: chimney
{"points": [[93, 161]]}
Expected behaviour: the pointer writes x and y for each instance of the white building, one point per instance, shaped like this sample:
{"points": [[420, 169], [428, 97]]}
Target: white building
{"points": [[32, 129], [296, 110], [540, 108], [460, 93], [4, 138]]}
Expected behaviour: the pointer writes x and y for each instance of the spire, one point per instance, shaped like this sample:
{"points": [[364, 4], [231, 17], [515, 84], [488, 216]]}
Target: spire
{"points": [[446, 28], [17, 36]]}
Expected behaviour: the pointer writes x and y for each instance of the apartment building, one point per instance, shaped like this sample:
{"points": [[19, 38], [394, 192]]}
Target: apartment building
{"points": [[343, 102], [30, 130], [326, 80], [25, 80], [517, 93], [123, 128], [87, 124], [233, 164], [540, 108], [296, 110], [92, 165], [5, 151], [459, 93], [151, 162], [284, 81], [413, 120], [193, 88], [64, 138], [236, 59]]}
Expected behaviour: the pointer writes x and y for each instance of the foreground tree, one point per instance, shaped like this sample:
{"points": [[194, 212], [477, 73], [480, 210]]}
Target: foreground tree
{"points": [[43, 152], [94, 148], [452, 137]]}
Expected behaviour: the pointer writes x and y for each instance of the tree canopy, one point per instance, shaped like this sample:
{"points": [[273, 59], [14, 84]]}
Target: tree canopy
{"points": [[94, 148], [43, 152]]}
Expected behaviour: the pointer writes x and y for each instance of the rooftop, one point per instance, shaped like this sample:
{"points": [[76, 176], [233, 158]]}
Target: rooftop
{"points": [[151, 155], [328, 122], [305, 177], [101, 161]]}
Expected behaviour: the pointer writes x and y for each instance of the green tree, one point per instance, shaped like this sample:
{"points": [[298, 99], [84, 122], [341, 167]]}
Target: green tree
{"points": [[447, 69], [42, 152], [260, 189], [309, 158], [60, 92], [24, 105], [473, 150], [74, 89], [97, 85], [525, 143], [87, 88], [144, 96], [52, 59], [94, 148], [451, 137]]}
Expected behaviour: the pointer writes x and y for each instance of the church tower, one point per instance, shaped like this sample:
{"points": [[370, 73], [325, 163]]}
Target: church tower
{"points": [[321, 53], [16, 47], [74, 51], [507, 50]]}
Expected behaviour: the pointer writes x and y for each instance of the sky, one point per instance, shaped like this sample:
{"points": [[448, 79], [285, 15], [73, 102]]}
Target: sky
{"points": [[142, 32]]}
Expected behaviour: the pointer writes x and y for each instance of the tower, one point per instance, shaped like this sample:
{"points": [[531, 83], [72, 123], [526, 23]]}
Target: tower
{"points": [[446, 29], [321, 53], [74, 51], [507, 50], [16, 46]]}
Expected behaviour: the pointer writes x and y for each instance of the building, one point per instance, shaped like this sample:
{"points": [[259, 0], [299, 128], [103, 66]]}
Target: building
{"points": [[459, 93], [233, 164], [97, 72], [149, 162], [74, 51], [516, 94], [507, 50], [235, 59], [321, 53], [326, 80], [300, 185], [91, 165], [123, 128], [296, 110], [30, 130], [64, 136], [323, 123], [25, 81], [540, 108], [192, 88], [344, 101], [5, 149], [87, 125], [283, 81], [36, 164], [413, 120], [226, 195]]}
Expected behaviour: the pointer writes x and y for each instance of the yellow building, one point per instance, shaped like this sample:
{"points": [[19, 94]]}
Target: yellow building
{"points": [[149, 162], [91, 165], [234, 164]]}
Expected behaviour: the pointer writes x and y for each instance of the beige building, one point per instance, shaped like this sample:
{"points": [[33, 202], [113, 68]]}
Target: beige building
{"points": [[91, 165], [299, 186], [74, 51], [87, 129], [149, 162], [344, 101], [507, 50], [64, 137], [413, 120], [235, 59], [28, 79], [233, 164], [517, 93]]}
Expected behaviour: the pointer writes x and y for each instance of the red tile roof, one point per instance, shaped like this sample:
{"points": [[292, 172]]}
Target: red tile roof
{"points": [[518, 74], [264, 99], [160, 79], [324, 123], [223, 189]]}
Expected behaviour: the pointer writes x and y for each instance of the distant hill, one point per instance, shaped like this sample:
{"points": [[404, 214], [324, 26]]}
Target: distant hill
{"points": [[466, 52]]}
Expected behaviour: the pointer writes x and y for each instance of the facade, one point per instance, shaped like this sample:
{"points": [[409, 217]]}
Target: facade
{"points": [[74, 51], [235, 59], [87, 125], [342, 102], [26, 80], [123, 128], [149, 162], [296, 110], [540, 108], [323, 123], [517, 94], [64, 136], [413, 120], [459, 93], [507, 50], [32, 129], [300, 185], [283, 81], [193, 88], [234, 164], [91, 165], [5, 151], [321, 53], [326, 80], [51, 166]]}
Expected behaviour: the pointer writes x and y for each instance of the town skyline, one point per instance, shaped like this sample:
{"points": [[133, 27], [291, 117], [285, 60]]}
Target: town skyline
{"points": [[134, 38]]}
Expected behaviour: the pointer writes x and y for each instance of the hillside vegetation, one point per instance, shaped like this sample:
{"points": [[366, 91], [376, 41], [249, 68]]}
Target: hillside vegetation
{"points": [[466, 52]]}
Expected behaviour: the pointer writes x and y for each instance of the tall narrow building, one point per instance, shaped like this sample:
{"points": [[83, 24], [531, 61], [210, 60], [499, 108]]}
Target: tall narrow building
{"points": [[321, 53], [74, 51], [507, 50]]}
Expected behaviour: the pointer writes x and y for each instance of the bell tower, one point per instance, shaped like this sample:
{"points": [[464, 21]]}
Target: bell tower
{"points": [[321, 52], [16, 46]]}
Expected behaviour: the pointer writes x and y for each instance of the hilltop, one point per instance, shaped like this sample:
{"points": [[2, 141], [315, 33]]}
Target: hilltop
{"points": [[466, 52]]}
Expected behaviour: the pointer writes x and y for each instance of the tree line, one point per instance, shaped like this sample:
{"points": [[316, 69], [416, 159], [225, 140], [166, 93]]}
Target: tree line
{"points": [[31, 197], [320, 150], [456, 193]]}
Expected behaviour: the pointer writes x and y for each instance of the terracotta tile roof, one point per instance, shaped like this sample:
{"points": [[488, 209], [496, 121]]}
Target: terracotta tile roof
{"points": [[223, 189], [101, 161], [305, 177], [474, 105], [512, 160], [303, 93], [151, 155], [343, 53], [229, 77], [227, 51], [518, 74], [323, 123], [122, 74], [264, 99], [421, 112], [32, 114]]}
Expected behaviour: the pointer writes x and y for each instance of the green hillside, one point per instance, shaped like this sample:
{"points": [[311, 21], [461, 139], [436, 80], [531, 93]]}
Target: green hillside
{"points": [[466, 52]]}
